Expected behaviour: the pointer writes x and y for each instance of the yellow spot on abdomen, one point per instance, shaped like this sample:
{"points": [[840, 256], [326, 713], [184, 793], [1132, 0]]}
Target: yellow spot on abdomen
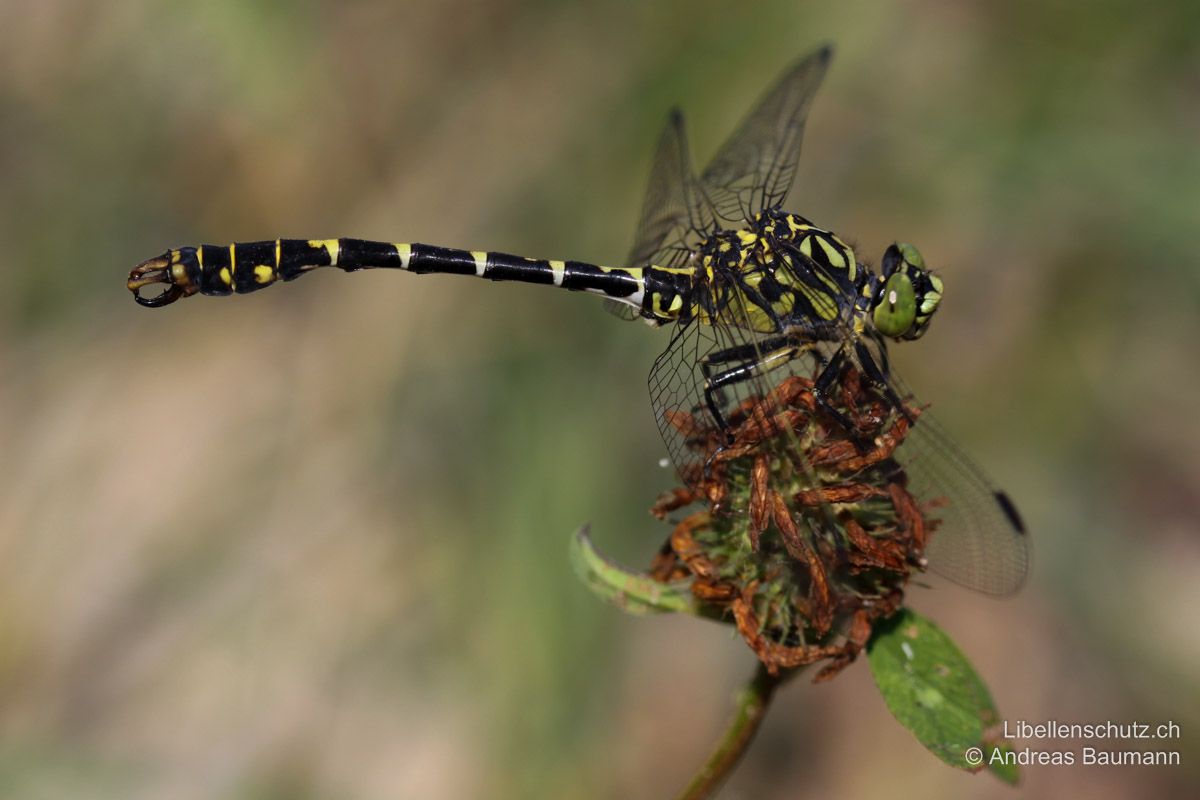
{"points": [[263, 274], [331, 246], [225, 275]]}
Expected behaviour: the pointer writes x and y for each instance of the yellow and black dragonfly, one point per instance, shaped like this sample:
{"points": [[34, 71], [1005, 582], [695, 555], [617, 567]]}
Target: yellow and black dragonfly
{"points": [[755, 295]]}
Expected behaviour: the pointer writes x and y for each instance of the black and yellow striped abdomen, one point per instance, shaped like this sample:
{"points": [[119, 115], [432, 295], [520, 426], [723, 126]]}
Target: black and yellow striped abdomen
{"points": [[249, 266], [657, 294]]}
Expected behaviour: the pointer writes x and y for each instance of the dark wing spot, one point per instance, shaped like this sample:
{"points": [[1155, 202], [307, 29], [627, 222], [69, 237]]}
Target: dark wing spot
{"points": [[1010, 511]]}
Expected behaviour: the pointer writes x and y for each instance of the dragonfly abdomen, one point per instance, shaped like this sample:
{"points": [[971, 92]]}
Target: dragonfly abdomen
{"points": [[245, 267]]}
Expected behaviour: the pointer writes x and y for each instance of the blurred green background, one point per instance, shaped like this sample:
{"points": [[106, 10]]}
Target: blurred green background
{"points": [[311, 543]]}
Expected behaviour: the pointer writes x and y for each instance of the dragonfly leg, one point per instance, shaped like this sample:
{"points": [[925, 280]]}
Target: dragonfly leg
{"points": [[754, 362], [749, 354], [877, 377], [756, 359], [821, 392]]}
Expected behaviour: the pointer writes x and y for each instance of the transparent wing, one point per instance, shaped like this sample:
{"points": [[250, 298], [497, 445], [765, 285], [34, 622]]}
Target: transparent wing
{"points": [[980, 541], [754, 169], [676, 385], [676, 388], [621, 310], [675, 213]]}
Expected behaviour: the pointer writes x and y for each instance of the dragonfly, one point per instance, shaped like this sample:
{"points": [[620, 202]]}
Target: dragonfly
{"points": [[754, 294]]}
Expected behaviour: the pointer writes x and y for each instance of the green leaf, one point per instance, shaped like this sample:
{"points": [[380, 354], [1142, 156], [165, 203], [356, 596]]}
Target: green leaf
{"points": [[931, 688], [631, 591]]}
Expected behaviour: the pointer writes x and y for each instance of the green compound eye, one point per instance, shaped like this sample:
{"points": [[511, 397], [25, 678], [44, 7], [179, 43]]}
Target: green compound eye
{"points": [[911, 255], [897, 307]]}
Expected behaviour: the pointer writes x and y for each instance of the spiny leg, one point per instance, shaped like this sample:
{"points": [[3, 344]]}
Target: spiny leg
{"points": [[877, 377], [748, 354], [821, 392], [780, 350], [757, 359]]}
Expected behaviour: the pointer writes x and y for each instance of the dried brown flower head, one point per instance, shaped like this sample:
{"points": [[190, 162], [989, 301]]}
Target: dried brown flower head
{"points": [[806, 535]]}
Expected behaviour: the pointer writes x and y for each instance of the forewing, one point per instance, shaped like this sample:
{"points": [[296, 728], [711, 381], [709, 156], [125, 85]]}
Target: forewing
{"points": [[754, 169]]}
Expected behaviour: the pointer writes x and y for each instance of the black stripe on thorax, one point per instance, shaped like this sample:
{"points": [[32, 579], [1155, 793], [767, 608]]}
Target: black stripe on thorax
{"points": [[809, 272], [839, 274]]}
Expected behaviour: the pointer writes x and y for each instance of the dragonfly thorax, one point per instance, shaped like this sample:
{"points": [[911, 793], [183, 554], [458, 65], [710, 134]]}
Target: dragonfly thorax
{"points": [[779, 272]]}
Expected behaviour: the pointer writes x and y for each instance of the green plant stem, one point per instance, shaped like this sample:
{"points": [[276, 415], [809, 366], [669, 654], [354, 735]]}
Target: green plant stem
{"points": [[752, 703]]}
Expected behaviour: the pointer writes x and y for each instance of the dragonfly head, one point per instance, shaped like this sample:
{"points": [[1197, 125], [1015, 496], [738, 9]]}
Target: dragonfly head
{"points": [[908, 294], [176, 269]]}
